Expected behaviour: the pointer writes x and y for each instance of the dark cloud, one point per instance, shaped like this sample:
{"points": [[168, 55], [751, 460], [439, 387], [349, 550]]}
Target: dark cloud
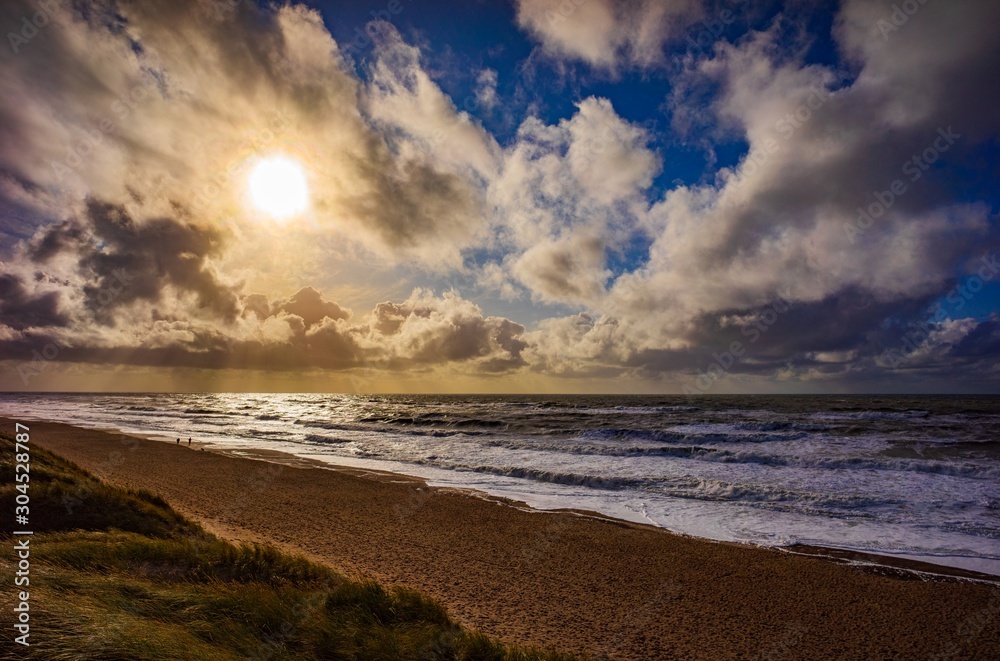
{"points": [[568, 270], [414, 207], [848, 320], [124, 261], [19, 309], [428, 330], [982, 342], [433, 332], [308, 303], [141, 270]]}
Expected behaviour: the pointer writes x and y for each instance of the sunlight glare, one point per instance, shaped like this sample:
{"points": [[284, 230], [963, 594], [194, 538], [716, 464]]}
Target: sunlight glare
{"points": [[278, 187]]}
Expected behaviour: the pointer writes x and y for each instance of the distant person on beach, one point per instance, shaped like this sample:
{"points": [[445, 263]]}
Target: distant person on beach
{"points": [[189, 442], [178, 441]]}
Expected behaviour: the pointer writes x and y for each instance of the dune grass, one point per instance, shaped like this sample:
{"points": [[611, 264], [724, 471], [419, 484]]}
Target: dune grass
{"points": [[117, 574]]}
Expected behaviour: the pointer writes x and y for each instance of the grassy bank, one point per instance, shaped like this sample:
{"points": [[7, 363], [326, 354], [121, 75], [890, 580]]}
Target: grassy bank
{"points": [[117, 574]]}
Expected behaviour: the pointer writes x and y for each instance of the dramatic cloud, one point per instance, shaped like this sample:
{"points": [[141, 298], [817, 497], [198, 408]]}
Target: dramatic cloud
{"points": [[145, 293], [21, 309], [123, 261], [809, 220], [426, 329], [786, 222], [168, 106], [854, 201]]}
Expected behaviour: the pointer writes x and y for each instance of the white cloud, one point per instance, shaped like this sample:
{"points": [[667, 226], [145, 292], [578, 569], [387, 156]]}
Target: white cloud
{"points": [[606, 33], [486, 89], [401, 176], [566, 194], [402, 96], [776, 225]]}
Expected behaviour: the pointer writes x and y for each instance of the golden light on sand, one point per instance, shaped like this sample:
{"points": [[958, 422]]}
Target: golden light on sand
{"points": [[278, 187]]}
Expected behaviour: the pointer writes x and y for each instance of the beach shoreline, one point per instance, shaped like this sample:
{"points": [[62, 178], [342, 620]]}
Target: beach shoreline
{"points": [[902, 478], [900, 567], [551, 578]]}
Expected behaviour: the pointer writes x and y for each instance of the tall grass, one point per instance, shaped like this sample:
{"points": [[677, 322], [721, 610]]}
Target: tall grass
{"points": [[117, 574]]}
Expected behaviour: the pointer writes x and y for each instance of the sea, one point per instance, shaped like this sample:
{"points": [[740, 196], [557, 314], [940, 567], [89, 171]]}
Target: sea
{"points": [[916, 478]]}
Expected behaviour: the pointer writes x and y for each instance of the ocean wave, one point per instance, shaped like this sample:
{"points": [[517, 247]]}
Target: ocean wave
{"points": [[626, 433], [780, 425], [326, 440], [873, 415], [688, 437], [332, 426], [918, 475], [728, 456], [431, 419], [636, 410], [562, 446], [702, 489], [756, 493], [953, 469], [369, 428], [556, 477]]}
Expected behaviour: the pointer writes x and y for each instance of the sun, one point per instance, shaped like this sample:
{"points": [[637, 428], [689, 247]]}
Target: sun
{"points": [[278, 187]]}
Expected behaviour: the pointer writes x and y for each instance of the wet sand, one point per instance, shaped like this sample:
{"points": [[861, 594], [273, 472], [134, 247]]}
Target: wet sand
{"points": [[578, 583]]}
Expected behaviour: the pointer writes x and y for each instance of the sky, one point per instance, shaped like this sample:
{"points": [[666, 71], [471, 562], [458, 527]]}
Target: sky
{"points": [[676, 196]]}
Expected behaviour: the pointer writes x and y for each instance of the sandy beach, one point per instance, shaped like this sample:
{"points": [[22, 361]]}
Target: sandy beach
{"points": [[576, 583]]}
